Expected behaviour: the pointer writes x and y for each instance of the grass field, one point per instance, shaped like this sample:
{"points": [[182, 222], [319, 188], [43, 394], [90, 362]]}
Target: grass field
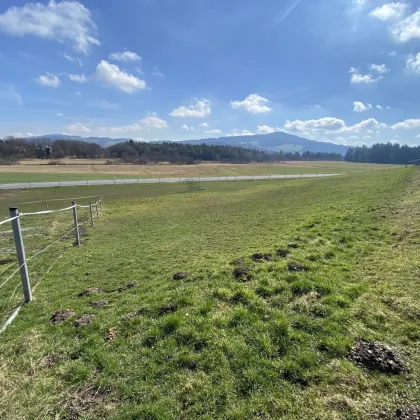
{"points": [[75, 170], [270, 344]]}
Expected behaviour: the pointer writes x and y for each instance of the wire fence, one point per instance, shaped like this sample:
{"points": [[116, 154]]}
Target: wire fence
{"points": [[25, 237]]}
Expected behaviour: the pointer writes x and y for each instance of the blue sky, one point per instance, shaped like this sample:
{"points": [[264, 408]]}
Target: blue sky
{"points": [[346, 71]]}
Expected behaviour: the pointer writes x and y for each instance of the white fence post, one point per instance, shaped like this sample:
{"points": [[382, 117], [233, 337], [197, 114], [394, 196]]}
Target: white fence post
{"points": [[91, 214], [20, 251], [76, 225]]}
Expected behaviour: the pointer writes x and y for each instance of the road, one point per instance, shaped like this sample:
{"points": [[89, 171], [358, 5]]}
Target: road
{"points": [[152, 181]]}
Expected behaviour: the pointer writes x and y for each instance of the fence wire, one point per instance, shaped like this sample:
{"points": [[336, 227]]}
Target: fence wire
{"points": [[44, 242]]}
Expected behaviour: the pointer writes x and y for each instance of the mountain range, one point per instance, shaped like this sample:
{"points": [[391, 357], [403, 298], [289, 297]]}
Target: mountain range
{"points": [[273, 142]]}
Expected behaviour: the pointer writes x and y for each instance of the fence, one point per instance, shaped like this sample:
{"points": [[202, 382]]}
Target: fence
{"points": [[19, 242]]}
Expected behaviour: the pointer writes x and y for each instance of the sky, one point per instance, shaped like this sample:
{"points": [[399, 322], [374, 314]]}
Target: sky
{"points": [[346, 71]]}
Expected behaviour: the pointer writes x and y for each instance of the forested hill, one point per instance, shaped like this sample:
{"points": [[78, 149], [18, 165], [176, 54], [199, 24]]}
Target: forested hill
{"points": [[136, 152], [383, 153]]}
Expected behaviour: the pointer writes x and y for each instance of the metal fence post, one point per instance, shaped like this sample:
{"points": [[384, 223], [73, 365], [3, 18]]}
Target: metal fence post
{"points": [[20, 251], [97, 213], [91, 214], [76, 225], [46, 204]]}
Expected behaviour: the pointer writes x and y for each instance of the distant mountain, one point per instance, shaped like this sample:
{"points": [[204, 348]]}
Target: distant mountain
{"points": [[103, 141], [273, 142]]}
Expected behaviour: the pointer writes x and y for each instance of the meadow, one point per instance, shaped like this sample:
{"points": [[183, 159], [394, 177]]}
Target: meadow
{"points": [[277, 280], [83, 169]]}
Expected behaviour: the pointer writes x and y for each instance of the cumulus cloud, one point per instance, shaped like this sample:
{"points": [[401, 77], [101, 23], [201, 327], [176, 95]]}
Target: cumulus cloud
{"points": [[200, 109], [407, 124], [357, 77], [147, 123], [214, 131], [330, 124], [408, 29], [413, 63], [389, 11], [111, 75], [204, 125], [49, 80], [255, 104], [59, 21], [78, 128], [379, 107], [266, 129], [70, 58], [380, 68], [238, 132], [361, 107], [186, 127], [125, 56], [79, 78]]}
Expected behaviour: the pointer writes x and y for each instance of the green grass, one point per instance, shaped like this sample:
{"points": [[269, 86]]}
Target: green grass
{"points": [[272, 345], [55, 175]]}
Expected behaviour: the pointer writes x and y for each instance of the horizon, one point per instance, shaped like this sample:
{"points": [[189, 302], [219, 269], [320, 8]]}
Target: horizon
{"points": [[341, 72]]}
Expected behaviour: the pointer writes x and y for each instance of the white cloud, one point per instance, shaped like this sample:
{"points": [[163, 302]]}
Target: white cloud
{"points": [[393, 53], [255, 104], [389, 11], [214, 131], [150, 122], [407, 124], [72, 59], [379, 107], [357, 77], [388, 107], [361, 107], [79, 78], [49, 79], [200, 109], [157, 72], [59, 114], [266, 129], [413, 63], [408, 29], [322, 124], [186, 127], [111, 75], [330, 124], [380, 68], [237, 132], [204, 125], [367, 137], [125, 56], [153, 122], [66, 20], [78, 128]]}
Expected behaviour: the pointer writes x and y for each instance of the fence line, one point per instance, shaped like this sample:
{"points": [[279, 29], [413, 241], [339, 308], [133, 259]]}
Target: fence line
{"points": [[20, 249]]}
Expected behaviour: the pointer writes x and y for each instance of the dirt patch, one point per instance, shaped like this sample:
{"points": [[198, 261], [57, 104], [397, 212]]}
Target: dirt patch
{"points": [[82, 401], [296, 267], [242, 273], [100, 303], [130, 315], [62, 315], [377, 356], [181, 275], [409, 412], [127, 286], [50, 360], [169, 308], [7, 261], [111, 334], [293, 246], [239, 261], [282, 253], [91, 291], [84, 320], [259, 257]]}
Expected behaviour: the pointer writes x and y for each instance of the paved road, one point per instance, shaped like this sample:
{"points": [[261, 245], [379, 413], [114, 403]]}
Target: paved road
{"points": [[151, 181]]}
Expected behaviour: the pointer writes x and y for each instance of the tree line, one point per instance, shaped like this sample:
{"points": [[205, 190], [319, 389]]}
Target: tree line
{"points": [[13, 149], [383, 153]]}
